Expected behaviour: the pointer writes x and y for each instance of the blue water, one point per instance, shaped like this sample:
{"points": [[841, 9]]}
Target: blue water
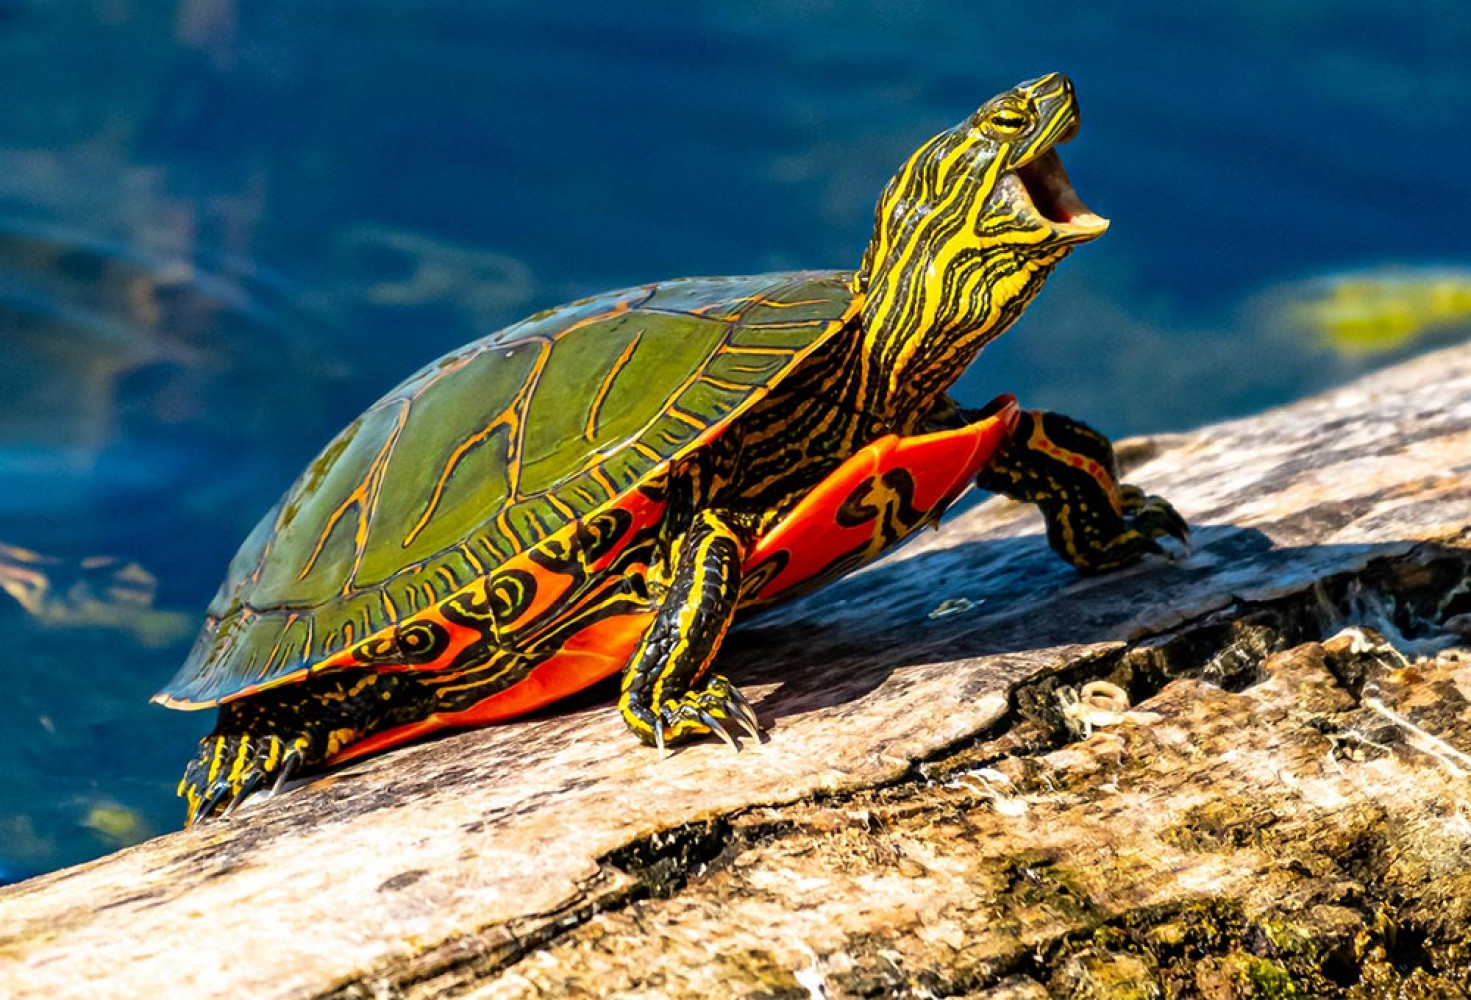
{"points": [[226, 227]]}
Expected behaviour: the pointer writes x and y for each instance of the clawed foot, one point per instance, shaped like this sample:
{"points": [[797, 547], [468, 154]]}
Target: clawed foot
{"points": [[1158, 522], [229, 769], [711, 709], [1151, 525]]}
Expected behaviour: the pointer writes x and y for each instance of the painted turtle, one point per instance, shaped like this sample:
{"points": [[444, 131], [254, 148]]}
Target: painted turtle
{"points": [[601, 487]]}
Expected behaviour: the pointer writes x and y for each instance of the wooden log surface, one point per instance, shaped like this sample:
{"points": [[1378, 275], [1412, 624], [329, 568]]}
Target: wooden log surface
{"points": [[936, 810]]}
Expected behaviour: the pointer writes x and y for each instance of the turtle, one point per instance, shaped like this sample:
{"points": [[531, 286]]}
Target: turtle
{"points": [[601, 488]]}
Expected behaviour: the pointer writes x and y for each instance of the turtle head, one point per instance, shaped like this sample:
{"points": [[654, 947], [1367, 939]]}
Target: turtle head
{"points": [[964, 235]]}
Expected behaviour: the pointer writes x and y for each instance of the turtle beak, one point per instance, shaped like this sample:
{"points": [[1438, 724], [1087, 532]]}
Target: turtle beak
{"points": [[1039, 191], [1039, 188]]}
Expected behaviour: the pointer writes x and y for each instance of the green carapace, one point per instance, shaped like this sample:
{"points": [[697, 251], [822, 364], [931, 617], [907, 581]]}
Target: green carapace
{"points": [[599, 489]]}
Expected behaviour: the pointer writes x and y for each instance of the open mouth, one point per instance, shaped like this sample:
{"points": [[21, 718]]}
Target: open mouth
{"points": [[1043, 185]]}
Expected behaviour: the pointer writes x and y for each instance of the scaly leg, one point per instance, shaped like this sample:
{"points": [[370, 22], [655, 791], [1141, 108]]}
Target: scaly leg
{"points": [[260, 742], [668, 694], [1068, 470]]}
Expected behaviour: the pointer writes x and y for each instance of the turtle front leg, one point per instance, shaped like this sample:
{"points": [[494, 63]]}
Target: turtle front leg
{"points": [[1068, 470], [668, 694]]}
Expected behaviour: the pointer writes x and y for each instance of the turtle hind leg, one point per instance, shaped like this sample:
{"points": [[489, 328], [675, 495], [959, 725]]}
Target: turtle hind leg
{"points": [[232, 766], [1068, 470], [261, 741], [668, 694], [257, 743]]}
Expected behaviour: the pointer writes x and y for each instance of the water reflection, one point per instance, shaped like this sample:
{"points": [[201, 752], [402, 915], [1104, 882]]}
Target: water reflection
{"points": [[131, 381], [1374, 312]]}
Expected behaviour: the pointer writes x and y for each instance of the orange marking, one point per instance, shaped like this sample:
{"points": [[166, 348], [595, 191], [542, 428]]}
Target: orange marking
{"points": [[728, 349], [778, 304], [721, 383], [559, 505], [687, 419], [510, 418], [942, 465], [472, 559], [518, 424], [285, 628], [1041, 442], [590, 430], [502, 521], [550, 589], [647, 452], [597, 475], [759, 299], [598, 651], [596, 462], [449, 468], [364, 497]]}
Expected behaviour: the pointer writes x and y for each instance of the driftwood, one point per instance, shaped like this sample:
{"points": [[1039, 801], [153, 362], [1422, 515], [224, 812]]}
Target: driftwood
{"points": [[944, 806]]}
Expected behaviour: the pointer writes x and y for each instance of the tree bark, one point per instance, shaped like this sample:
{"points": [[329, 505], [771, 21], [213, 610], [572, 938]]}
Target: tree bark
{"points": [[944, 806]]}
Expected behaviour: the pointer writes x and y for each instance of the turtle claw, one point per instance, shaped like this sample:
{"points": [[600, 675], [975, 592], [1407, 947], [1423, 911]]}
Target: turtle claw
{"points": [[229, 769], [1148, 525], [745, 715], [288, 766], [711, 709], [246, 790], [207, 805], [719, 729], [1163, 529]]}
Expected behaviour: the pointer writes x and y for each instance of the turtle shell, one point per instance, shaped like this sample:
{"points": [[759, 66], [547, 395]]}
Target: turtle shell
{"points": [[481, 455]]}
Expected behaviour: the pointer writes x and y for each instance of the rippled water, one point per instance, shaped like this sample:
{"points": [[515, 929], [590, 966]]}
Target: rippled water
{"points": [[227, 227]]}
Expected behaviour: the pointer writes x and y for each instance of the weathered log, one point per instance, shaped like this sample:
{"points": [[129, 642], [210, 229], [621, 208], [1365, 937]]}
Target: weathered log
{"points": [[936, 811]]}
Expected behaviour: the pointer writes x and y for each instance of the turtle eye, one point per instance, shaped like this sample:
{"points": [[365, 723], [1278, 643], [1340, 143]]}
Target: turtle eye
{"points": [[1007, 122]]}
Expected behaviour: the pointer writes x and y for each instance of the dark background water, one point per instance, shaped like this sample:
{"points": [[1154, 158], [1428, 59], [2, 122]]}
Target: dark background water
{"points": [[226, 227]]}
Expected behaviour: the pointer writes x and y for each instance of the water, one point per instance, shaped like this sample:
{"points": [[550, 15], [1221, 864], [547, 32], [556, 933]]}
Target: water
{"points": [[225, 228]]}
